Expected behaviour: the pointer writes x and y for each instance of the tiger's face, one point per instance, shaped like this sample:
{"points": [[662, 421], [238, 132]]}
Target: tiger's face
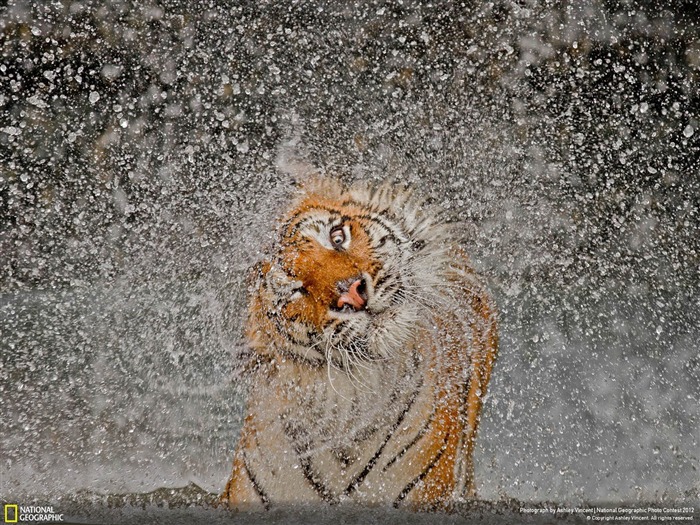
{"points": [[346, 282]]}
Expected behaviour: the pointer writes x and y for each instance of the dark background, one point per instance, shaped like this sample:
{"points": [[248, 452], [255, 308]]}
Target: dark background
{"points": [[146, 148]]}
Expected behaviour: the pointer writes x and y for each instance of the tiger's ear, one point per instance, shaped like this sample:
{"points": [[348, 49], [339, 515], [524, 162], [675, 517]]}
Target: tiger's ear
{"points": [[268, 277], [257, 273], [293, 159], [320, 187]]}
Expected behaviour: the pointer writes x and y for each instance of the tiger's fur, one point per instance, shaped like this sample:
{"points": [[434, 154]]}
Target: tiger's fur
{"points": [[379, 405]]}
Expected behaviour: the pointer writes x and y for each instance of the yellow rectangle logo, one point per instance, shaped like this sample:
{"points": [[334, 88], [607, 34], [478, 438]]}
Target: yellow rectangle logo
{"points": [[9, 508]]}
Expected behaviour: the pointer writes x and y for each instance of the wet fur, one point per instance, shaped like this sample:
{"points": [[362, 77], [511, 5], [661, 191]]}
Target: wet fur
{"points": [[378, 406]]}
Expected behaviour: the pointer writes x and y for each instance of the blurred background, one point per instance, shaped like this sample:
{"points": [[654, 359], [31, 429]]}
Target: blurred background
{"points": [[143, 157]]}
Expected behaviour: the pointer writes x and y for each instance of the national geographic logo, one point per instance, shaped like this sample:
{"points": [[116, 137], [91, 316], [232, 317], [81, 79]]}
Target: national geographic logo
{"points": [[11, 513], [31, 514]]}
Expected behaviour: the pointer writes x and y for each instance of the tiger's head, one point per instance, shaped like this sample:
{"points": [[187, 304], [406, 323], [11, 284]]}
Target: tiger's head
{"points": [[351, 273]]}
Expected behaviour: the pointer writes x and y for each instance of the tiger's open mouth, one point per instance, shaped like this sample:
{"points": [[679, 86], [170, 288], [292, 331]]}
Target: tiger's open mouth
{"points": [[353, 296], [369, 321]]}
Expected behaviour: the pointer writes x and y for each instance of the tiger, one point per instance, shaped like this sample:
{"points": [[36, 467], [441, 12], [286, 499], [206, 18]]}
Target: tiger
{"points": [[373, 340]]}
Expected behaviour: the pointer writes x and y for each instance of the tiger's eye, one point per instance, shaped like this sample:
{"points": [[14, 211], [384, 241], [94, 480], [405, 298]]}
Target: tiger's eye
{"points": [[337, 236]]}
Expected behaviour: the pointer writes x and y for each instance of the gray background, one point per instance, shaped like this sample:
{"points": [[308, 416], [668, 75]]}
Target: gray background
{"points": [[145, 153]]}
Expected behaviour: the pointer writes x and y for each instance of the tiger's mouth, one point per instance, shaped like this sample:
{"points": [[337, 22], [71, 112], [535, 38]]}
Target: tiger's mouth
{"points": [[353, 295], [356, 296], [369, 322]]}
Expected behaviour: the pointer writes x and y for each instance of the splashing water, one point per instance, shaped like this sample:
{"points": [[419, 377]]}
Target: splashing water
{"points": [[145, 158]]}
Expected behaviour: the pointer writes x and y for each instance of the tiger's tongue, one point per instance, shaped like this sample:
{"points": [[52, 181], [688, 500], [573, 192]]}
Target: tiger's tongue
{"points": [[352, 297]]}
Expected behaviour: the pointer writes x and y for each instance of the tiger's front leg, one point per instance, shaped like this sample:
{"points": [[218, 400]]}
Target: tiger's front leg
{"points": [[241, 492]]}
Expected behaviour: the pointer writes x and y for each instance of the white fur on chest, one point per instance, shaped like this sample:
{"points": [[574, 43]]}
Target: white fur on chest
{"points": [[336, 407], [328, 430]]}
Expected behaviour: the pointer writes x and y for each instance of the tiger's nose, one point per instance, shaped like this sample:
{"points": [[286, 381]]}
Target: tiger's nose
{"points": [[354, 295]]}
